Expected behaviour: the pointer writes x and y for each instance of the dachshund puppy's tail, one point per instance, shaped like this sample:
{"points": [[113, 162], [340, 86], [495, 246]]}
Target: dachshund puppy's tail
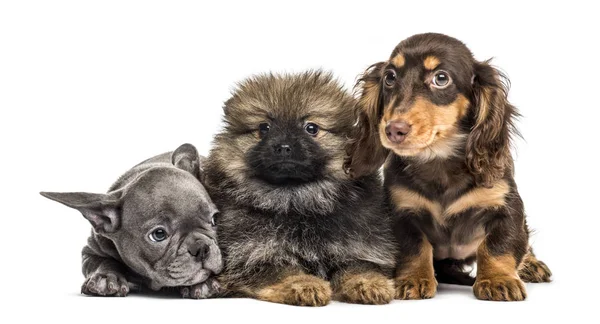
{"points": [[451, 271]]}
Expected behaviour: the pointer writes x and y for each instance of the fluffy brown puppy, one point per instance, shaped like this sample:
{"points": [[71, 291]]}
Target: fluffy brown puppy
{"points": [[294, 227], [443, 122]]}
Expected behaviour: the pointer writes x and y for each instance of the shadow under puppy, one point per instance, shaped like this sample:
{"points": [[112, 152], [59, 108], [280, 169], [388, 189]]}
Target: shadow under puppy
{"points": [[294, 228], [154, 227], [443, 122]]}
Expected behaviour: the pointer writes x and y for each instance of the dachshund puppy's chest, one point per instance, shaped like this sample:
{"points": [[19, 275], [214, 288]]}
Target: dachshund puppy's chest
{"points": [[444, 204]]}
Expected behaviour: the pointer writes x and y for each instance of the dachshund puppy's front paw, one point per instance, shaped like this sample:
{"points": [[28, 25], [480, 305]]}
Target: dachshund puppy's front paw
{"points": [[300, 290], [207, 289], [105, 284], [415, 288], [366, 288], [500, 288]]}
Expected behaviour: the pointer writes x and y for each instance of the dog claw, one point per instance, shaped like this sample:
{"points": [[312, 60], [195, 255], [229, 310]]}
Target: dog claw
{"points": [[207, 289], [105, 284]]}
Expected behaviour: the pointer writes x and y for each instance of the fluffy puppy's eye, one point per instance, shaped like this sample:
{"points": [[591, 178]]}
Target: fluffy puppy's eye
{"points": [[263, 129], [441, 80], [311, 128], [213, 219], [389, 78], [158, 235]]}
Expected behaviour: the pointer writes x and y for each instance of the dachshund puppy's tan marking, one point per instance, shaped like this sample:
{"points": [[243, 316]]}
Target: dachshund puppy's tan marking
{"points": [[480, 198], [416, 279], [431, 62], [406, 199], [398, 61], [497, 277], [442, 124]]}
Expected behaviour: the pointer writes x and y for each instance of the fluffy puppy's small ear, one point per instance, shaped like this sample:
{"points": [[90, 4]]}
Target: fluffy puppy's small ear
{"points": [[365, 152], [186, 157], [101, 210], [488, 144]]}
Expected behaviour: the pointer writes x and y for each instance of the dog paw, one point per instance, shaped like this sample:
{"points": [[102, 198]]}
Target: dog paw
{"points": [[105, 284], [366, 288], [299, 290], [415, 288], [207, 289], [502, 288], [534, 270]]}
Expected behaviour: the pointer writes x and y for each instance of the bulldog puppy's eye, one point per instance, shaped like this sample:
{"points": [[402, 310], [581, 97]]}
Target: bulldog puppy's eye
{"points": [[441, 80], [213, 219], [263, 129], [389, 78], [158, 235], [311, 128]]}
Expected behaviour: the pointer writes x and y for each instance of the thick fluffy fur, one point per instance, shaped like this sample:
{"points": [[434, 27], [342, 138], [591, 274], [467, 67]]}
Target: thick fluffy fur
{"points": [[296, 228], [449, 174]]}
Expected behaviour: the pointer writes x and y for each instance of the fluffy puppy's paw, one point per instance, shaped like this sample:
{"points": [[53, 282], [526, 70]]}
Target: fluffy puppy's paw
{"points": [[207, 289], [415, 288], [534, 270], [500, 288], [366, 288], [105, 284], [299, 290]]}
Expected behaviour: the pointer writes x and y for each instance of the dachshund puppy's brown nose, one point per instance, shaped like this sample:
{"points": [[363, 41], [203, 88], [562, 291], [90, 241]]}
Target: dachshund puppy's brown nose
{"points": [[396, 131]]}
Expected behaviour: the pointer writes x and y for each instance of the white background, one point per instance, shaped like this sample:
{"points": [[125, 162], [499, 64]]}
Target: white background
{"points": [[88, 89]]}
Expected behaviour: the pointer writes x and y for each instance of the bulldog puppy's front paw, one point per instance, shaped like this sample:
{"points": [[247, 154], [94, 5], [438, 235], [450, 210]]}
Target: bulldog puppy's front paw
{"points": [[110, 284], [207, 289], [366, 288], [500, 288]]}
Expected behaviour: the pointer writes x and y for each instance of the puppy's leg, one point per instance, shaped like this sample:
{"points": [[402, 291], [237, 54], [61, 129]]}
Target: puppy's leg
{"points": [[497, 258], [208, 289], [415, 277], [290, 286], [362, 283], [534, 270], [104, 276]]}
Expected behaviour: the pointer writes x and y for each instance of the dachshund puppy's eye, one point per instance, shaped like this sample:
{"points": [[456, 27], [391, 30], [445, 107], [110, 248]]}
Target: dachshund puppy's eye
{"points": [[263, 129], [158, 235], [441, 80], [311, 128], [389, 78]]}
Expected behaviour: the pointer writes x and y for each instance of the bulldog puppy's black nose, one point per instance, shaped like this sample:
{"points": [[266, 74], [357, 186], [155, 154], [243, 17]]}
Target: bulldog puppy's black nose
{"points": [[282, 150], [396, 131], [198, 249]]}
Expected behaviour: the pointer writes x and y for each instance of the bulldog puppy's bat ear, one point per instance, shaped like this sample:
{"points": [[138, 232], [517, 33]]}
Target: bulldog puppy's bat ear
{"points": [[102, 210], [186, 157]]}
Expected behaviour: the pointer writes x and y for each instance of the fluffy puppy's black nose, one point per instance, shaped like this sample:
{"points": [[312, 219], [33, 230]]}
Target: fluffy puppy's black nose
{"points": [[283, 150], [397, 130], [198, 249]]}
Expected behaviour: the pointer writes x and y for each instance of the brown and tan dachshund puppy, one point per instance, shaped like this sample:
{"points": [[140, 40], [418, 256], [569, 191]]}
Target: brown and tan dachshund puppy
{"points": [[441, 124]]}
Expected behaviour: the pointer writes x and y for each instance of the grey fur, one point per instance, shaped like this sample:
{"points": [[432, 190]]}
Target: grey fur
{"points": [[165, 192]]}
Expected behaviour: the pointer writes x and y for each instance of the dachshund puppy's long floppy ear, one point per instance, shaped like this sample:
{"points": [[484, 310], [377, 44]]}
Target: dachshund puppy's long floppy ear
{"points": [[365, 152], [488, 144]]}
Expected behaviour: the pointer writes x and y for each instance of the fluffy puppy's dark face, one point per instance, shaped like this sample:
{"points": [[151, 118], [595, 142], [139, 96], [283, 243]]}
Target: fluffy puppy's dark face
{"points": [[432, 99], [288, 151], [284, 139]]}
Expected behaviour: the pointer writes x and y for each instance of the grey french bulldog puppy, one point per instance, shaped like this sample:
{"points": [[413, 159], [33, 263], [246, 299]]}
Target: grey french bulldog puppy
{"points": [[155, 227]]}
